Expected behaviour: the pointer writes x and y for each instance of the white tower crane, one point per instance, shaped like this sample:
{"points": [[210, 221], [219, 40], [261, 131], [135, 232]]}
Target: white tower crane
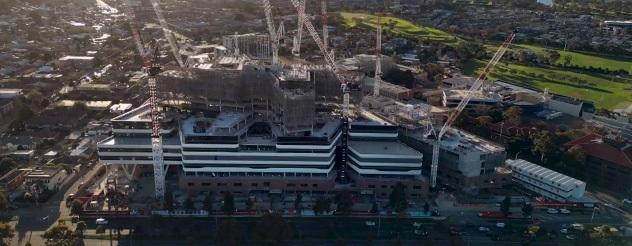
{"points": [[323, 5], [153, 68], [378, 61], [466, 99], [298, 39], [274, 39], [344, 85], [170, 39]]}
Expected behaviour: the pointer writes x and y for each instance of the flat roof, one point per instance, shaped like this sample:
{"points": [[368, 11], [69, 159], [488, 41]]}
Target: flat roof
{"points": [[455, 139], [383, 148], [210, 126], [547, 175], [172, 140], [84, 58]]}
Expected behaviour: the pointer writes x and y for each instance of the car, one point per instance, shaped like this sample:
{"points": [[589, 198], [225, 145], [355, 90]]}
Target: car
{"points": [[369, 223], [74, 219], [565, 211], [417, 224], [571, 237], [420, 233], [500, 225], [564, 231], [101, 221], [483, 229], [552, 211]]}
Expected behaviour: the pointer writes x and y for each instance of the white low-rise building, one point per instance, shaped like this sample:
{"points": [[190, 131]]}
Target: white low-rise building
{"points": [[546, 182]]}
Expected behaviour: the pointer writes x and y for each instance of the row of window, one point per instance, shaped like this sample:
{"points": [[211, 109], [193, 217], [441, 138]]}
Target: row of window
{"points": [[265, 184]]}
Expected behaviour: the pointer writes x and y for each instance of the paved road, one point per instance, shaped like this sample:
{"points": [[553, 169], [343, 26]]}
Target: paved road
{"points": [[34, 221]]}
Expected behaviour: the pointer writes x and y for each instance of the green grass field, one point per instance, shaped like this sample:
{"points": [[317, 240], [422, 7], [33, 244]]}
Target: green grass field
{"points": [[401, 27], [587, 59], [605, 92]]}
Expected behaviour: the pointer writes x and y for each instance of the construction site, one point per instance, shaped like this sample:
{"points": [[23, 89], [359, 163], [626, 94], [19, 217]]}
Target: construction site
{"points": [[238, 117]]}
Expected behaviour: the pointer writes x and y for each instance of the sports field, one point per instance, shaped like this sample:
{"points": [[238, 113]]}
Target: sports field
{"points": [[399, 27], [606, 91]]}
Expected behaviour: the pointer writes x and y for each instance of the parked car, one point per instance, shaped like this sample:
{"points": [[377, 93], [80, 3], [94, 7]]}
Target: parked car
{"points": [[565, 211], [369, 223], [500, 225], [483, 229], [564, 231], [552, 211], [101, 221], [571, 237]]}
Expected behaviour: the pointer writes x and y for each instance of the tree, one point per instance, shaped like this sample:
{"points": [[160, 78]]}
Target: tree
{"points": [[229, 203], [322, 205], [6, 165], [567, 60], [76, 207], [59, 235], [513, 115], [6, 231], [527, 209], [80, 228], [208, 204], [272, 230], [575, 159], [250, 203], [168, 203], [80, 106], [543, 144], [344, 202], [297, 202], [22, 111], [397, 198], [505, 205], [229, 233], [189, 204]]}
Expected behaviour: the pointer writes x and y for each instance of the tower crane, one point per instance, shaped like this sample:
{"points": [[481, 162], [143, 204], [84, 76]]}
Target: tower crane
{"points": [[344, 84], [323, 5], [135, 33], [298, 39], [170, 39], [153, 68], [477, 85], [274, 36], [378, 62]]}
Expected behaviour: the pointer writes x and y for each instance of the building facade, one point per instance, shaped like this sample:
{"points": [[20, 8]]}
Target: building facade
{"points": [[546, 182]]}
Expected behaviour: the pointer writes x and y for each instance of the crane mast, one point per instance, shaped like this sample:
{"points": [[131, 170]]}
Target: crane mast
{"points": [[163, 24], [334, 69], [152, 67], [298, 39], [477, 85], [135, 33], [378, 62], [156, 136], [274, 38], [325, 21]]}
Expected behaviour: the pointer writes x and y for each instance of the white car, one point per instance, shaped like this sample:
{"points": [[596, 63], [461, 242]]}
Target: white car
{"points": [[552, 211], [565, 211], [101, 221], [417, 224], [483, 229], [500, 225], [564, 231], [369, 223], [571, 237]]}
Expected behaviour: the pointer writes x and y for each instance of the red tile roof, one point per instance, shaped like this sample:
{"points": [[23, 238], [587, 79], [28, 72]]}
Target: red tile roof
{"points": [[593, 145]]}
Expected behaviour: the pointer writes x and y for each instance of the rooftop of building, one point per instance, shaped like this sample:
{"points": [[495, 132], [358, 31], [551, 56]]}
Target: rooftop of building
{"points": [[171, 140], [476, 95], [546, 175], [77, 58], [223, 124], [42, 172], [9, 93], [383, 148], [458, 140], [594, 145]]}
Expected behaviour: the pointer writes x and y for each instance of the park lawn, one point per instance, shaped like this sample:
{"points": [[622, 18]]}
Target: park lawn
{"points": [[585, 59], [402, 27], [604, 92]]}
